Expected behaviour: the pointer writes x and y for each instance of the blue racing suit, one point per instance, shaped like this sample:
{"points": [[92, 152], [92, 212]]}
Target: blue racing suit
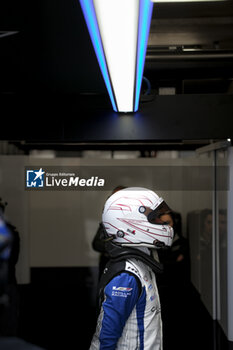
{"points": [[130, 317]]}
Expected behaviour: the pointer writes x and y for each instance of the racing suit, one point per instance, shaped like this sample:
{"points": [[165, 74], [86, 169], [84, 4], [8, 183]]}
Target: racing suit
{"points": [[130, 316]]}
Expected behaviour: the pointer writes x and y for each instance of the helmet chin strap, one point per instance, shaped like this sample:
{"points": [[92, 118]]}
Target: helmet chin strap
{"points": [[118, 253]]}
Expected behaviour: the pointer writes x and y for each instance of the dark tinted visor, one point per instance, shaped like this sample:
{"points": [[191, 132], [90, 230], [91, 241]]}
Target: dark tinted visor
{"points": [[154, 216]]}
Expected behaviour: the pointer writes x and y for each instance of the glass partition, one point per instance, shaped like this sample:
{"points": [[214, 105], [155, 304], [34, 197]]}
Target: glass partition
{"points": [[221, 239]]}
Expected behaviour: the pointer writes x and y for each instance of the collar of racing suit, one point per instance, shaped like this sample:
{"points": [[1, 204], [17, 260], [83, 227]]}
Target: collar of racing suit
{"points": [[118, 253]]}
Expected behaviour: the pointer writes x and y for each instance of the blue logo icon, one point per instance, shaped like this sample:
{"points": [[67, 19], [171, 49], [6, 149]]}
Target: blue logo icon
{"points": [[35, 178]]}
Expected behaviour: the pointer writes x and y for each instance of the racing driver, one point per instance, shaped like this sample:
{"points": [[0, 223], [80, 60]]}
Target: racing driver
{"points": [[129, 315]]}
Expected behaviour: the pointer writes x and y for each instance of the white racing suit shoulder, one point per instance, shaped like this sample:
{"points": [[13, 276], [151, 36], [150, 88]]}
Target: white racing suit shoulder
{"points": [[130, 319]]}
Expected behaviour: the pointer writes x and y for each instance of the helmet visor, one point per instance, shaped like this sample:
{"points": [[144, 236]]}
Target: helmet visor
{"points": [[154, 216]]}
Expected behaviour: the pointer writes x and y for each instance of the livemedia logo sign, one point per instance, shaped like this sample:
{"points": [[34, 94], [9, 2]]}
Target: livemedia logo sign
{"points": [[47, 179]]}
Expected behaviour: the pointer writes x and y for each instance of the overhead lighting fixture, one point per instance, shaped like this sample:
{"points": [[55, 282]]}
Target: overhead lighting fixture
{"points": [[119, 32]]}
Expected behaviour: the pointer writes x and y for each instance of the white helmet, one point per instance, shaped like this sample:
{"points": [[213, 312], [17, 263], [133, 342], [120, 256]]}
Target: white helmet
{"points": [[132, 217]]}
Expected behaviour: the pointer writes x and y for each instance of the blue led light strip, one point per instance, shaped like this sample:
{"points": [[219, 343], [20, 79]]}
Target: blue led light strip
{"points": [[145, 13], [91, 21]]}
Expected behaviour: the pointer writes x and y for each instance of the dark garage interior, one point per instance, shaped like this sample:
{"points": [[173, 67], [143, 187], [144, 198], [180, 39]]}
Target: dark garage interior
{"points": [[55, 112]]}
